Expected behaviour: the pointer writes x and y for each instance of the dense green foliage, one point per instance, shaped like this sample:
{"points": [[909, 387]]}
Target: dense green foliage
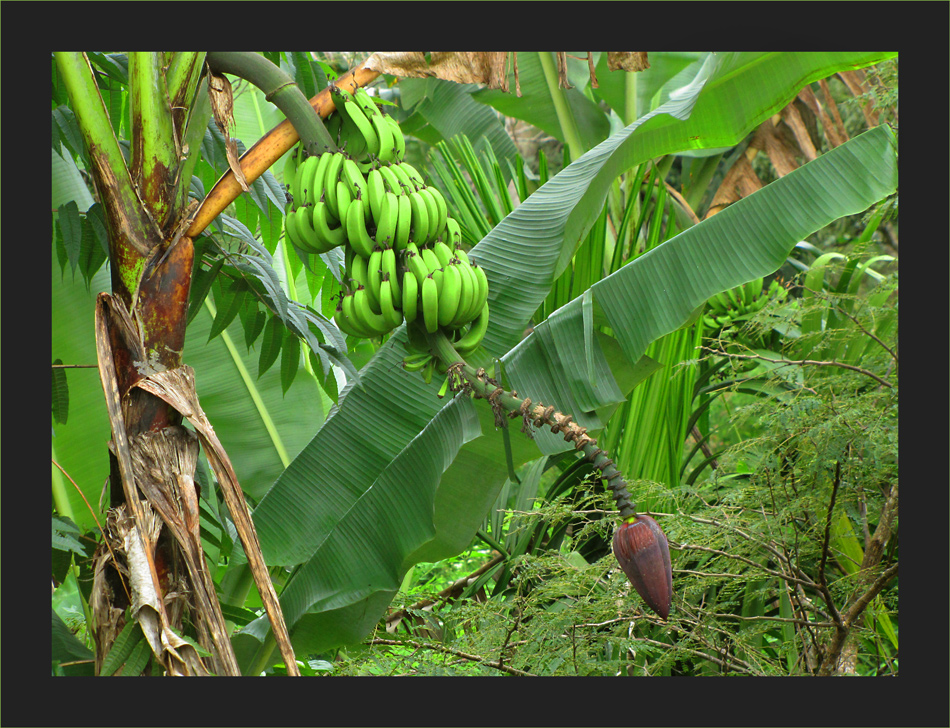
{"points": [[764, 440]]}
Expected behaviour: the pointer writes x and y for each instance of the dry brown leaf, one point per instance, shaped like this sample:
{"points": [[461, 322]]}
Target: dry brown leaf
{"points": [[793, 120], [808, 96], [488, 68], [633, 61], [176, 387], [222, 108], [740, 181], [780, 154]]}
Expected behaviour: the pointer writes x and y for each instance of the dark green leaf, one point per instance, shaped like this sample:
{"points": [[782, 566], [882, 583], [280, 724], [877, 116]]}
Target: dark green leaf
{"points": [[228, 301], [60, 394], [270, 344], [289, 360], [71, 227]]}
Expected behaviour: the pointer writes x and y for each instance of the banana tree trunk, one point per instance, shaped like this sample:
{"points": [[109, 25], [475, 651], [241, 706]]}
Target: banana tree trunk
{"points": [[150, 568]]}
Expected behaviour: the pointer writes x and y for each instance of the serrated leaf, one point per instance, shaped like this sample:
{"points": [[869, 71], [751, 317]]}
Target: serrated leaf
{"points": [[71, 227], [289, 360], [201, 282], [65, 121], [60, 394], [253, 323], [91, 255], [271, 341], [228, 300]]}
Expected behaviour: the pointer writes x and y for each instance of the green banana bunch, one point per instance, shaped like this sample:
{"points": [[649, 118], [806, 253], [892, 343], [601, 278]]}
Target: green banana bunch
{"points": [[739, 303], [362, 129], [403, 255]]}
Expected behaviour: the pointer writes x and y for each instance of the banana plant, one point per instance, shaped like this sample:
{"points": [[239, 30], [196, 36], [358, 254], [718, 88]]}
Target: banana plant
{"points": [[425, 470], [403, 491]]}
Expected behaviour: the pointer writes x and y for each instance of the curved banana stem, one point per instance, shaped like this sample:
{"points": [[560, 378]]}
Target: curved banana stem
{"points": [[279, 89], [271, 147], [464, 377]]}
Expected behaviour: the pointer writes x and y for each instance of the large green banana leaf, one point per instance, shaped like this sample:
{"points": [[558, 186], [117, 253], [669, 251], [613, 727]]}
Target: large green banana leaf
{"points": [[397, 476]]}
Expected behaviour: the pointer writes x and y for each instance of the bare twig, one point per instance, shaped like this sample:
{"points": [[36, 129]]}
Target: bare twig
{"points": [[802, 362], [822, 581], [450, 651]]}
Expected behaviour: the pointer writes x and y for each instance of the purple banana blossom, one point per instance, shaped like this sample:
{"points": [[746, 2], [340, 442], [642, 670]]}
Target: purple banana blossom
{"points": [[644, 555]]}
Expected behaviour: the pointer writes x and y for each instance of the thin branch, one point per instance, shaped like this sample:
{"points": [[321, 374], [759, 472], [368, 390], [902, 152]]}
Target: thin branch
{"points": [[876, 586], [789, 620], [801, 362], [822, 581], [750, 562], [450, 651], [727, 664], [867, 333]]}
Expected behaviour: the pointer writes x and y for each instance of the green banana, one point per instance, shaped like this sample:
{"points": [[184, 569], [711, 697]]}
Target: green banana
{"points": [[412, 173], [399, 140], [356, 232], [388, 266], [453, 232], [375, 191], [450, 295], [442, 214], [432, 213], [429, 370], [393, 183], [473, 337], [345, 322], [356, 271], [308, 237], [400, 172], [365, 316], [329, 236], [433, 264], [343, 199], [410, 296], [291, 232], [430, 304], [469, 289], [419, 232], [290, 166], [403, 222], [755, 288], [333, 123], [356, 182], [443, 252], [356, 117], [307, 171], [482, 295], [317, 183], [387, 220], [365, 102], [415, 264], [374, 276], [387, 149], [387, 303], [334, 167], [296, 188], [416, 362]]}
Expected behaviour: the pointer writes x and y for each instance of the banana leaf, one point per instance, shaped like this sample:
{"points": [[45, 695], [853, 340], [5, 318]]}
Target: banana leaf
{"points": [[397, 476]]}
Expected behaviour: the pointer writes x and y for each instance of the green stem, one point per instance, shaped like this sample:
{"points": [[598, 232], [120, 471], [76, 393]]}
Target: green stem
{"points": [[132, 233], [464, 377], [564, 114], [280, 90], [154, 152]]}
